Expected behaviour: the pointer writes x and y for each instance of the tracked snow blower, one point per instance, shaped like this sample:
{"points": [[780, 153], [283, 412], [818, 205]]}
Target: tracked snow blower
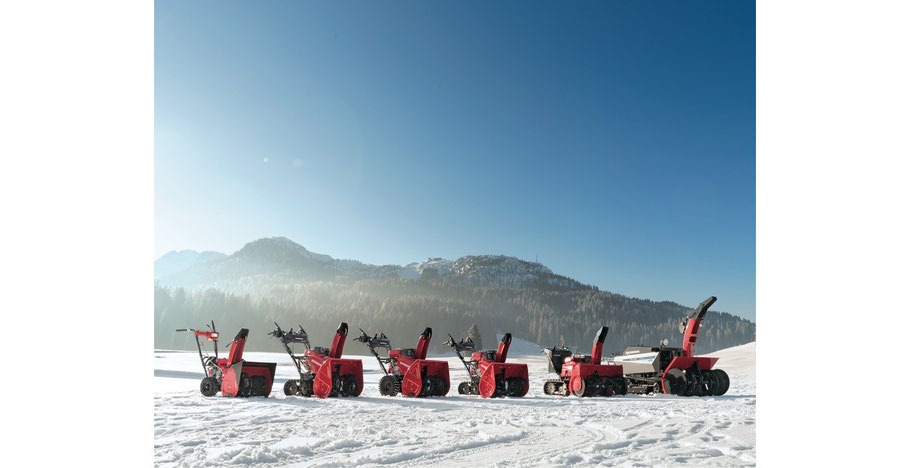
{"points": [[582, 375], [407, 370], [675, 371], [491, 376], [323, 372], [232, 376]]}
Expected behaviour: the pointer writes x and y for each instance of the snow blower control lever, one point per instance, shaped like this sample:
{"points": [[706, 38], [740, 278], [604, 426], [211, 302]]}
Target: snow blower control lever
{"points": [[208, 362]]}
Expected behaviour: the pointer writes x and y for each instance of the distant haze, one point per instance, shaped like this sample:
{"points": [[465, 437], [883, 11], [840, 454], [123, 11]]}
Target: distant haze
{"points": [[277, 280], [613, 142]]}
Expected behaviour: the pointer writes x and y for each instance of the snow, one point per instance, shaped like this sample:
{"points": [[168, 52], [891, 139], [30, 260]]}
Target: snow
{"points": [[372, 430]]}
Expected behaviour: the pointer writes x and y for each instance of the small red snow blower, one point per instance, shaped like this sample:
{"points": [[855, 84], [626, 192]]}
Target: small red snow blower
{"points": [[407, 370], [584, 375], [675, 371], [233, 376], [322, 371], [491, 376]]}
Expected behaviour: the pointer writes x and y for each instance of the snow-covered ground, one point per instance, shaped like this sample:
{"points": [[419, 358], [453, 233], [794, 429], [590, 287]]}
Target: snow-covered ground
{"points": [[372, 430]]}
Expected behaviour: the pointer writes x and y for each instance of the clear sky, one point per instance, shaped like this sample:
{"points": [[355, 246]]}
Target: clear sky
{"points": [[613, 141]]}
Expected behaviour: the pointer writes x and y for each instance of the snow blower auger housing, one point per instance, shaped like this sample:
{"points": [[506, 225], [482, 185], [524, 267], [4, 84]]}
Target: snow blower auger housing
{"points": [[323, 372], [232, 376], [584, 375], [675, 371], [491, 376], [408, 371]]}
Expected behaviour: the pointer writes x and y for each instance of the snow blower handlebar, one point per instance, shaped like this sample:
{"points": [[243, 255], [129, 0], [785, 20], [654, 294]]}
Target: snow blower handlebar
{"points": [[690, 331], [460, 346], [377, 341], [211, 335]]}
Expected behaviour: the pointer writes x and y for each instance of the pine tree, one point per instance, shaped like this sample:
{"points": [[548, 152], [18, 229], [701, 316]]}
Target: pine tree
{"points": [[474, 335]]}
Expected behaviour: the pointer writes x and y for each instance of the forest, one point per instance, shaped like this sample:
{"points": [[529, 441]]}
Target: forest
{"points": [[402, 308]]}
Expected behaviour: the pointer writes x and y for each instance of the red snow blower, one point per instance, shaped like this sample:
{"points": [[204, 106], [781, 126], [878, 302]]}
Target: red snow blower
{"points": [[583, 375], [322, 371], [675, 371], [233, 376], [407, 370], [491, 376]]}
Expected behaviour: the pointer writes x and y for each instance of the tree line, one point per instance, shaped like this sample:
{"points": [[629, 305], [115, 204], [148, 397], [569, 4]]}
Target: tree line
{"points": [[403, 308]]}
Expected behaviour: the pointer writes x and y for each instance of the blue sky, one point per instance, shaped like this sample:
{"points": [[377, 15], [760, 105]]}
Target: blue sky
{"points": [[613, 141]]}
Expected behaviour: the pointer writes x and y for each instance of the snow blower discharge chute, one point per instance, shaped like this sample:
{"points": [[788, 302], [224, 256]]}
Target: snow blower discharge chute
{"points": [[583, 375], [675, 371], [323, 372], [491, 376], [407, 370], [232, 376]]}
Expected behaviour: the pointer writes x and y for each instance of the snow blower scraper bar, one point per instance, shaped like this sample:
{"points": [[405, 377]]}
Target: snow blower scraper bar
{"points": [[323, 372]]}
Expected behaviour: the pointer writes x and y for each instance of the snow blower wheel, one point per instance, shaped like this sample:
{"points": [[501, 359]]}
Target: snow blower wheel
{"points": [[291, 387], [389, 385], [209, 386]]}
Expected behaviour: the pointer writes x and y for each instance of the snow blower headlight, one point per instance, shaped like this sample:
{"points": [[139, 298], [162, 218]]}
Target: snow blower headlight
{"points": [[215, 335]]}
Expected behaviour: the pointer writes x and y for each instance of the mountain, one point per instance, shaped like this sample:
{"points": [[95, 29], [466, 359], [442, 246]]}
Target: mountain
{"points": [[278, 260], [177, 261], [277, 280]]}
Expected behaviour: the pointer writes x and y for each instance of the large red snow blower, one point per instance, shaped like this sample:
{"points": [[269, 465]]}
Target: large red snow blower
{"points": [[407, 370], [233, 376], [584, 375], [322, 371], [491, 376], [675, 371]]}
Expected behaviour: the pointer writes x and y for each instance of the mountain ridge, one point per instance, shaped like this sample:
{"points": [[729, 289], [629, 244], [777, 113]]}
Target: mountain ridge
{"points": [[288, 260]]}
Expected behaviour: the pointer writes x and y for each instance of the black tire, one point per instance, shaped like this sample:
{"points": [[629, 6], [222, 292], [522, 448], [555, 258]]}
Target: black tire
{"points": [[209, 386], [291, 387], [306, 388], [464, 388], [388, 385], [725, 381]]}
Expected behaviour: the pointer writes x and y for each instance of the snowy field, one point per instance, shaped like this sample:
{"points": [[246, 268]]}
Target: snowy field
{"points": [[372, 430]]}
